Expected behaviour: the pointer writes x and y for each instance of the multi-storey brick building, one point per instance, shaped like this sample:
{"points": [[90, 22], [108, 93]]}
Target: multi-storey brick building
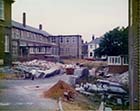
{"points": [[134, 54], [5, 31], [69, 46], [30, 43]]}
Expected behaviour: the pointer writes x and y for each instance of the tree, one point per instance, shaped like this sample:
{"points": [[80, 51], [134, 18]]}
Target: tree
{"points": [[114, 43]]}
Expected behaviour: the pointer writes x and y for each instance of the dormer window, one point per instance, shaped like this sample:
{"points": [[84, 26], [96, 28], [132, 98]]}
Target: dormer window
{"points": [[1, 9]]}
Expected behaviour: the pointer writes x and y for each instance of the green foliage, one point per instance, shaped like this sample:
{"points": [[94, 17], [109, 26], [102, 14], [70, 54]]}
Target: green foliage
{"points": [[114, 43]]}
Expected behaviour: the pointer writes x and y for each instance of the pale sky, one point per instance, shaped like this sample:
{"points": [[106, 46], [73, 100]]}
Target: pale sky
{"points": [[84, 17]]}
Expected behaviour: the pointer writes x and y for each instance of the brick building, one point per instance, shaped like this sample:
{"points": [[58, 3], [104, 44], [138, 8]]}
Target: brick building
{"points": [[69, 46], [30, 43], [5, 31], [134, 54]]}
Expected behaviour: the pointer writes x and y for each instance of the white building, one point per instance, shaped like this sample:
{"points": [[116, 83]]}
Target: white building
{"points": [[92, 45]]}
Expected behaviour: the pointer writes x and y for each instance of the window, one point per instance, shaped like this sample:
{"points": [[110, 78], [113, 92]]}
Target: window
{"points": [[6, 43], [90, 46], [31, 50], [125, 60], [61, 39], [2, 9], [39, 49], [90, 54], [73, 40], [16, 34], [22, 34], [114, 60], [53, 39], [61, 49], [67, 39], [14, 48]]}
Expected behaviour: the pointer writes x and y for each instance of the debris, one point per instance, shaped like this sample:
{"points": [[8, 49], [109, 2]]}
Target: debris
{"points": [[121, 78], [58, 90]]}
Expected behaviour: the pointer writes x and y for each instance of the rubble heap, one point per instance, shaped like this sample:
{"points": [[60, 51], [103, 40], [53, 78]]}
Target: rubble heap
{"points": [[121, 78], [58, 90], [42, 63]]}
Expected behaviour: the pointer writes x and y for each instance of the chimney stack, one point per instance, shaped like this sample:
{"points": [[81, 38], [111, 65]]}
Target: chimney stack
{"points": [[24, 19], [93, 37], [40, 26]]}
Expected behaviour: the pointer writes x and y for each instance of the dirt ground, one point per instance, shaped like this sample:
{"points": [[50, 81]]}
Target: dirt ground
{"points": [[87, 63], [80, 103]]}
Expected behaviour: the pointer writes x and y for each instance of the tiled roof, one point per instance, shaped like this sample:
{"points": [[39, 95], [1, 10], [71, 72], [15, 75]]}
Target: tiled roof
{"points": [[95, 41], [29, 28]]}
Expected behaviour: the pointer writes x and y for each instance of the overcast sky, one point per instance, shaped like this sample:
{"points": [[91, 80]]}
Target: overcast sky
{"points": [[84, 17]]}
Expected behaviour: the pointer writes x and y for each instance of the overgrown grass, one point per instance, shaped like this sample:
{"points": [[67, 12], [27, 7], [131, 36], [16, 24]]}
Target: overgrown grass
{"points": [[7, 76]]}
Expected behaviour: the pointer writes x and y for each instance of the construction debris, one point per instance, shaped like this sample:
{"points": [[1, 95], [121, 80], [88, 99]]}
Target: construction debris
{"points": [[60, 89], [39, 69], [121, 78]]}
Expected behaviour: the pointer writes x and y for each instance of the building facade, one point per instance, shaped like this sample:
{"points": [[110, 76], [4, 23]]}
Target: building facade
{"points": [[84, 50], [92, 45], [69, 46], [5, 32], [30, 43], [117, 64], [134, 54]]}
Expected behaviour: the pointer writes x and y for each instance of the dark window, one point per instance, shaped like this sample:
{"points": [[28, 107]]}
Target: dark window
{"points": [[61, 39], [53, 39], [90, 54], [61, 49], [73, 40], [67, 39], [39, 49]]}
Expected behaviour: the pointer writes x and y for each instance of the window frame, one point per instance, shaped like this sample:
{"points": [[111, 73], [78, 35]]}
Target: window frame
{"points": [[7, 44], [2, 14]]}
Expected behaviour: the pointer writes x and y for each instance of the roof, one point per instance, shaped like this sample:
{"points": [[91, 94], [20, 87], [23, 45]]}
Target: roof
{"points": [[29, 28], [95, 41], [66, 35]]}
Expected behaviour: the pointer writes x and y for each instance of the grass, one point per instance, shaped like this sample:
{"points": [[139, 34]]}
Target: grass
{"points": [[7, 76]]}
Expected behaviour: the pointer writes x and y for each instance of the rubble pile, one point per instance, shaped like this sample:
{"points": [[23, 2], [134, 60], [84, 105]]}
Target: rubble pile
{"points": [[100, 87], [58, 90], [121, 78], [42, 63], [39, 68]]}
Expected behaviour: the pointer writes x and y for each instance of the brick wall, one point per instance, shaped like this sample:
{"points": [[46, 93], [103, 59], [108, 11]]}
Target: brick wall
{"points": [[70, 46], [118, 68], [134, 53], [5, 30]]}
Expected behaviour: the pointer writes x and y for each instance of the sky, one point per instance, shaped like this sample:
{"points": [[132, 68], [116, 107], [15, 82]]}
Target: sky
{"points": [[83, 17]]}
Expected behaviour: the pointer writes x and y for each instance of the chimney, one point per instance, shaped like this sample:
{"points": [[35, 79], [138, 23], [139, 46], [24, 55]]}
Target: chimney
{"points": [[40, 26], [24, 19], [93, 37]]}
